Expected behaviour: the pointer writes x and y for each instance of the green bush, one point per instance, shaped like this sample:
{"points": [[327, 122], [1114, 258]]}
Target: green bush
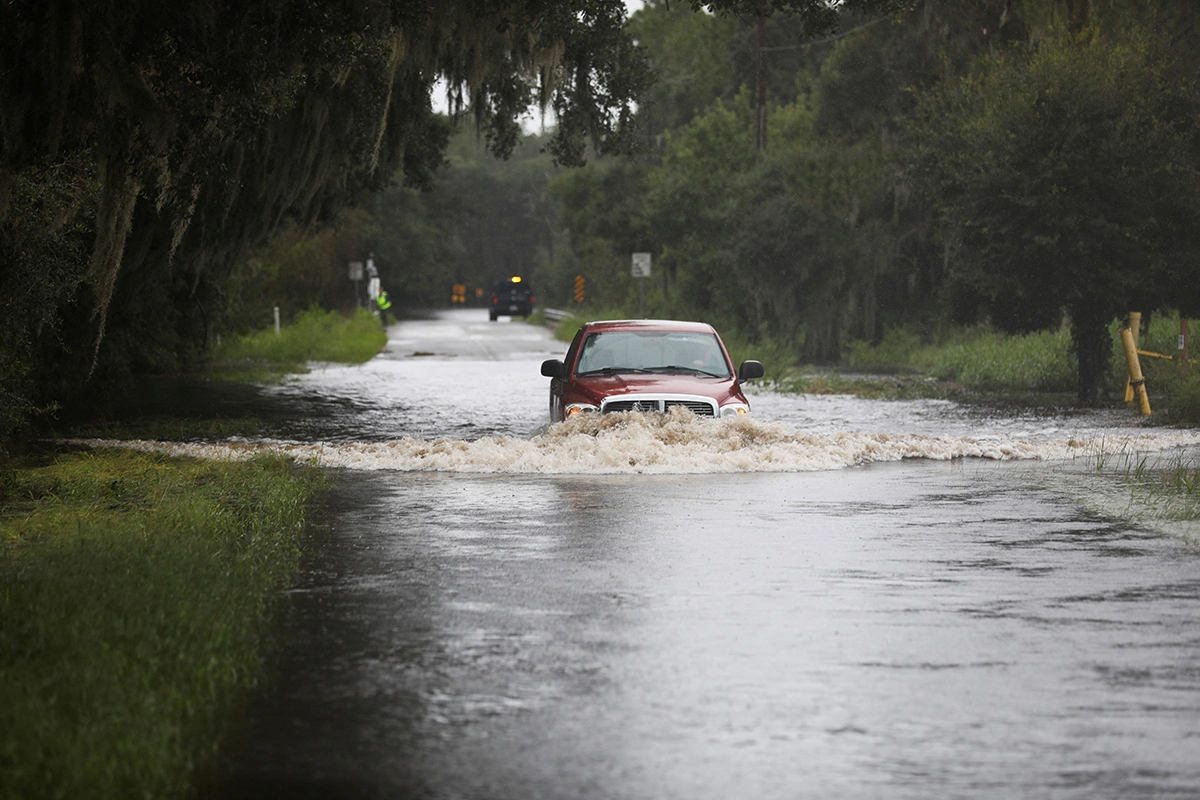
{"points": [[1183, 399]]}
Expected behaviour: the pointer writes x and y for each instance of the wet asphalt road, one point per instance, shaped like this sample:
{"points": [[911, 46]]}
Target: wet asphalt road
{"points": [[902, 630]]}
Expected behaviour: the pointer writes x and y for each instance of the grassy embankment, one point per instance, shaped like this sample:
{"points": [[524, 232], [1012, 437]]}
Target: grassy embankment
{"points": [[136, 593], [136, 590], [1036, 368], [315, 335]]}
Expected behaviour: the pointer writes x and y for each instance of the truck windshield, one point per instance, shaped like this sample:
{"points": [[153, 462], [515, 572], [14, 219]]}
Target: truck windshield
{"points": [[652, 351]]}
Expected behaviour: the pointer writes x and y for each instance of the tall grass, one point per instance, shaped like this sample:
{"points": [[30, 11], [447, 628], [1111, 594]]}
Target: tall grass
{"points": [[315, 335], [1165, 488], [136, 590], [776, 356], [1043, 361], [900, 348], [1175, 488], [978, 358]]}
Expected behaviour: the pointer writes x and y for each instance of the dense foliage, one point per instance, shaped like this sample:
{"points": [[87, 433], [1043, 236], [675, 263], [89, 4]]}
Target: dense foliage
{"points": [[168, 173], [1065, 177], [1018, 164], [145, 147]]}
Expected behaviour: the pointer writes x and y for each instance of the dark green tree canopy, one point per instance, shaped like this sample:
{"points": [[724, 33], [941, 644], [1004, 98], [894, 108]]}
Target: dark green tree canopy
{"points": [[145, 147], [1065, 175], [231, 117]]}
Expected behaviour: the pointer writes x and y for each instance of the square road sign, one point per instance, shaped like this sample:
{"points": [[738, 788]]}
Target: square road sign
{"points": [[641, 265]]}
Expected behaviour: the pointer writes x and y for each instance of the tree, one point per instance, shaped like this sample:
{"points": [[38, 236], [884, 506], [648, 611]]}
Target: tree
{"points": [[185, 135], [1065, 178]]}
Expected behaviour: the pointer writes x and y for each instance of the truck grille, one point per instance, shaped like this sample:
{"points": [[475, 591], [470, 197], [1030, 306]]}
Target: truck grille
{"points": [[701, 408]]}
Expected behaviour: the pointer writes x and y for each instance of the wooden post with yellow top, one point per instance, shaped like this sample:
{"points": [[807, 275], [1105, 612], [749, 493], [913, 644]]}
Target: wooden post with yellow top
{"points": [[1136, 382], [1135, 325]]}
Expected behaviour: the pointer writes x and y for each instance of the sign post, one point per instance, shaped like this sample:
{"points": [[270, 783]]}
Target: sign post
{"points": [[373, 285], [356, 275], [641, 271]]}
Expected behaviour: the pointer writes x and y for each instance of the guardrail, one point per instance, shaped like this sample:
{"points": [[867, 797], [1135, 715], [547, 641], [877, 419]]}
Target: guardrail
{"points": [[555, 315]]}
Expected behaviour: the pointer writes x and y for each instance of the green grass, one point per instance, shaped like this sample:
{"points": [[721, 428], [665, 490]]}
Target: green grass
{"points": [[170, 429], [776, 356], [977, 358], [1175, 489], [136, 592], [983, 361], [1041, 362], [900, 349], [892, 387], [315, 335], [1165, 488]]}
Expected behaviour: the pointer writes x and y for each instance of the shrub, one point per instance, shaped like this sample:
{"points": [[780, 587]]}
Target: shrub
{"points": [[1041, 361]]}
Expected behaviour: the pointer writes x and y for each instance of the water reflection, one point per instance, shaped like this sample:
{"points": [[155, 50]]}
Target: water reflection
{"points": [[897, 630], [919, 628]]}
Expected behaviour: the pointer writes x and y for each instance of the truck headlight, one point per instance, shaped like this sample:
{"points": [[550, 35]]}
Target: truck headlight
{"points": [[575, 408], [735, 410]]}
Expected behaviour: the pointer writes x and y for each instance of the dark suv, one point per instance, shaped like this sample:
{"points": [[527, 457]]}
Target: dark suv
{"points": [[512, 298]]}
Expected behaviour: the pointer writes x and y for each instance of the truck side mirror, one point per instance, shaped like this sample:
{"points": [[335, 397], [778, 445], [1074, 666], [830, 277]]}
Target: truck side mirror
{"points": [[750, 370], [553, 368]]}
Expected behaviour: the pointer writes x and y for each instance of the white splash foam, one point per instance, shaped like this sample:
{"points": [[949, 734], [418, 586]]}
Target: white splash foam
{"points": [[674, 443]]}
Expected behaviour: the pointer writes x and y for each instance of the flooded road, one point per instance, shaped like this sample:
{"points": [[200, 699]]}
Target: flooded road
{"points": [[829, 603]]}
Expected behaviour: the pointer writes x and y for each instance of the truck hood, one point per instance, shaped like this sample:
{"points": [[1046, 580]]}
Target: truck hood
{"points": [[596, 388]]}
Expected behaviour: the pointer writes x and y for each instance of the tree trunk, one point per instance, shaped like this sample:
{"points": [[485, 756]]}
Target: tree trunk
{"points": [[1093, 347]]}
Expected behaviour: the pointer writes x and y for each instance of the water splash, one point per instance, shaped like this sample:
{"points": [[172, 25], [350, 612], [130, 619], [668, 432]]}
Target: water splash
{"points": [[676, 443]]}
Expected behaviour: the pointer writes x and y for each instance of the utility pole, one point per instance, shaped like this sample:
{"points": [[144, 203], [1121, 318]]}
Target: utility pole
{"points": [[761, 84]]}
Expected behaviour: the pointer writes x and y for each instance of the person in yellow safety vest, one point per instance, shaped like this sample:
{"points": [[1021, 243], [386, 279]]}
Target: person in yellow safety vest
{"points": [[384, 305]]}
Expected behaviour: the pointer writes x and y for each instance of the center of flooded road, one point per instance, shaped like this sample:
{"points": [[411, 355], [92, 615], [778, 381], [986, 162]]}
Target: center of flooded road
{"points": [[897, 630], [934, 621]]}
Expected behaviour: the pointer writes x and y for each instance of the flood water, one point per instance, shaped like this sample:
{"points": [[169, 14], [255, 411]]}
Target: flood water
{"points": [[840, 598]]}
